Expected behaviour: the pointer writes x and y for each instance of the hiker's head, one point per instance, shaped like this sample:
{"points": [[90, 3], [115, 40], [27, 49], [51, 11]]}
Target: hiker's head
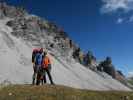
{"points": [[45, 53], [36, 50], [41, 50]]}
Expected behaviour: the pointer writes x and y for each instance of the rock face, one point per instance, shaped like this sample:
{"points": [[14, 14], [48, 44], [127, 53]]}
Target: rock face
{"points": [[19, 34], [107, 66], [11, 11], [120, 77]]}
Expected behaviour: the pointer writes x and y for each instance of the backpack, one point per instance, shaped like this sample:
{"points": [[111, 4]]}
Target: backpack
{"points": [[38, 59], [34, 52], [46, 62]]}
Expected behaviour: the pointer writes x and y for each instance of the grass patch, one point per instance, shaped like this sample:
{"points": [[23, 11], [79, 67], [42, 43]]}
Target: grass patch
{"points": [[48, 92]]}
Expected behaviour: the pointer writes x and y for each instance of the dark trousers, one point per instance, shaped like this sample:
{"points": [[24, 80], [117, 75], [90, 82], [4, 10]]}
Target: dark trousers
{"points": [[46, 70], [36, 69]]}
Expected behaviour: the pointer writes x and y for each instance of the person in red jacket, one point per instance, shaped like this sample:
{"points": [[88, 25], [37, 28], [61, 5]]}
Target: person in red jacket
{"points": [[46, 67]]}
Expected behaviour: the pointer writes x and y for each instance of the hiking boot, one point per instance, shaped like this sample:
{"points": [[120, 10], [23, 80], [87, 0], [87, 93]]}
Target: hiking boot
{"points": [[33, 82], [52, 83]]}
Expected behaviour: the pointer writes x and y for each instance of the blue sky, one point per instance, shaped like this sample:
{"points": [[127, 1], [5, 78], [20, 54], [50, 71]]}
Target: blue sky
{"points": [[102, 26]]}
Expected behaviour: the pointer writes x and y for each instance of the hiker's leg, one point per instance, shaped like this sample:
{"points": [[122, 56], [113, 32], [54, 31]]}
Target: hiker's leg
{"points": [[50, 77], [38, 79], [42, 81], [33, 79], [34, 75], [38, 76], [44, 76]]}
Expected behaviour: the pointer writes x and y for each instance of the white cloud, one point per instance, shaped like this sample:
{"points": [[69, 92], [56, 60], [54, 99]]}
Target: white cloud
{"points": [[120, 20], [115, 5], [125, 6]]}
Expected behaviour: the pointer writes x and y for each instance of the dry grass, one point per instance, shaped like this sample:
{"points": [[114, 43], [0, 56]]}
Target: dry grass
{"points": [[48, 92]]}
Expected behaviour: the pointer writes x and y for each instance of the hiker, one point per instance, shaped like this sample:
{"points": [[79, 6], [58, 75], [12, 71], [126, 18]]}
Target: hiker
{"points": [[46, 68], [38, 63], [34, 52]]}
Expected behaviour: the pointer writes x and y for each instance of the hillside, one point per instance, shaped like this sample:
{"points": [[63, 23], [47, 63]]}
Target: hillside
{"points": [[47, 92], [20, 32]]}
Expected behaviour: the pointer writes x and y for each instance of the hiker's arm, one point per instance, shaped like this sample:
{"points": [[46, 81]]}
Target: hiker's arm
{"points": [[33, 57]]}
